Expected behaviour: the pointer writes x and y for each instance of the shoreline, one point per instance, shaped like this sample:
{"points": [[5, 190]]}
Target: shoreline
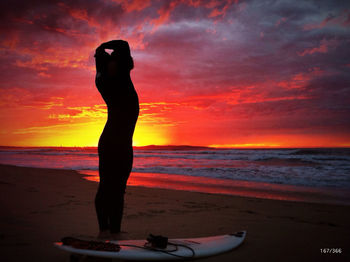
{"points": [[231, 187], [40, 206], [242, 188]]}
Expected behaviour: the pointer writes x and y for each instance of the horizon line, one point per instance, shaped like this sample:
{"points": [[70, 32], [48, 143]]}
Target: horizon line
{"points": [[193, 146]]}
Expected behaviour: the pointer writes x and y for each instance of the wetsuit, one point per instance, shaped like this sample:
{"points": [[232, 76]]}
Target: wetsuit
{"points": [[115, 144]]}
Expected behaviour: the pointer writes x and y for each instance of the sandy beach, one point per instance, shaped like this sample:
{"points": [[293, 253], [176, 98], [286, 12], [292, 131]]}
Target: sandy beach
{"points": [[40, 206]]}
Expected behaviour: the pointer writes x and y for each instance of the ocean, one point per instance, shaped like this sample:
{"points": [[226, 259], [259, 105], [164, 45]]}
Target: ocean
{"points": [[302, 174]]}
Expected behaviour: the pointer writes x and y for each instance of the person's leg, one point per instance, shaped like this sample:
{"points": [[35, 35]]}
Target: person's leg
{"points": [[118, 189], [116, 206], [114, 171], [101, 204], [101, 207]]}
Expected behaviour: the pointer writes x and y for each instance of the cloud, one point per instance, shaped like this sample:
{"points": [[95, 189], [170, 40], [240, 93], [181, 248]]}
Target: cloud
{"points": [[340, 19], [216, 66], [322, 48]]}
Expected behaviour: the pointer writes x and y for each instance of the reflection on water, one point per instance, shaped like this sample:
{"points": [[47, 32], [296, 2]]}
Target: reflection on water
{"points": [[232, 187]]}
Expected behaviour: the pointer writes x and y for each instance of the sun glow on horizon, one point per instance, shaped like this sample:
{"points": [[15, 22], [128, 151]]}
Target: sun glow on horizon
{"points": [[247, 145], [148, 135]]}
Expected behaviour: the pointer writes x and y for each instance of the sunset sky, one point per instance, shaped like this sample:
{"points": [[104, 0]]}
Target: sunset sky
{"points": [[212, 73]]}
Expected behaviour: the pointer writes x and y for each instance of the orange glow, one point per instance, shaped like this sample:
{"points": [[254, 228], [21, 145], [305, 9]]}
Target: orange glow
{"points": [[264, 145], [85, 134], [229, 187], [159, 123], [289, 141]]}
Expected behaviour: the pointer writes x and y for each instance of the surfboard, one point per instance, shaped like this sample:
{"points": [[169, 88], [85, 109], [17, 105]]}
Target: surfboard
{"points": [[177, 249]]}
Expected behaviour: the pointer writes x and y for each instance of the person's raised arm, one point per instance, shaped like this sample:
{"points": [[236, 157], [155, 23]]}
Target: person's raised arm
{"points": [[101, 56], [116, 44], [120, 47]]}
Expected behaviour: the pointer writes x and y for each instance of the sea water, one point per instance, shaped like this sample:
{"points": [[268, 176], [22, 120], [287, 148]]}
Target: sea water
{"points": [[306, 169]]}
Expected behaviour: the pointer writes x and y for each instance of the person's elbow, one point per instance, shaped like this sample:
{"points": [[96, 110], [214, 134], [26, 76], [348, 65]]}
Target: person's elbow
{"points": [[100, 50]]}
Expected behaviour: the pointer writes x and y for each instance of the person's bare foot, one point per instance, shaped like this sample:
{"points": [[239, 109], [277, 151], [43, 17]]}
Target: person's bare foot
{"points": [[119, 236], [103, 235]]}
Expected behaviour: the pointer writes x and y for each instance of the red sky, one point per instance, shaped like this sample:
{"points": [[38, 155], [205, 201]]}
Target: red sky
{"points": [[224, 73]]}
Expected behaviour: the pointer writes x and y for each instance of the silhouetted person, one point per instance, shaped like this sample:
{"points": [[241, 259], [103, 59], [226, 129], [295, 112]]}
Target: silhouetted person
{"points": [[115, 144]]}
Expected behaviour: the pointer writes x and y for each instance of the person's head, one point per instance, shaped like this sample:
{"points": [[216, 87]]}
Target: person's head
{"points": [[121, 60]]}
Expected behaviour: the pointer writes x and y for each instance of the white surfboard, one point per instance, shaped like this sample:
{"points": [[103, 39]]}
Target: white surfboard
{"points": [[176, 249]]}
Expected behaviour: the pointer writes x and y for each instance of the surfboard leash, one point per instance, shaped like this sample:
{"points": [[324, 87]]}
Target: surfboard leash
{"points": [[164, 251], [159, 243]]}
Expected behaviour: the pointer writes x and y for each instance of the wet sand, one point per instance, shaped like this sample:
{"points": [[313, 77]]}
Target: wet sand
{"points": [[40, 206]]}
